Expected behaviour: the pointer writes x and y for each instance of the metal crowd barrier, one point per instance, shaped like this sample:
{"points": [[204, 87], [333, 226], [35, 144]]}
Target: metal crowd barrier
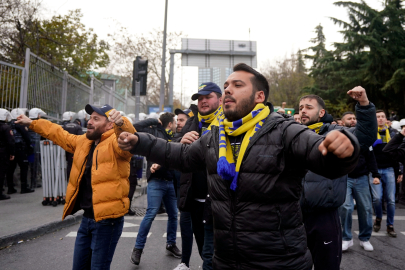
{"points": [[53, 169]]}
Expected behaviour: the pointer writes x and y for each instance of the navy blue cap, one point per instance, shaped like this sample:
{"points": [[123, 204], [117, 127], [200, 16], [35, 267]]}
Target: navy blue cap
{"points": [[205, 89], [102, 111], [187, 112]]}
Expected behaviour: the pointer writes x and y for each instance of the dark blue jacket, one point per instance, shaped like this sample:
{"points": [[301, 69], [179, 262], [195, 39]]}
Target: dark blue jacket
{"points": [[321, 193]]}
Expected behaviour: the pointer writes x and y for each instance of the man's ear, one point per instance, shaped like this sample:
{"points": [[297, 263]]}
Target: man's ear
{"points": [[322, 113], [259, 97]]}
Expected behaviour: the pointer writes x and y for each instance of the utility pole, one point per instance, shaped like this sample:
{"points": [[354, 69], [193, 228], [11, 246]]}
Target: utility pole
{"points": [[162, 76]]}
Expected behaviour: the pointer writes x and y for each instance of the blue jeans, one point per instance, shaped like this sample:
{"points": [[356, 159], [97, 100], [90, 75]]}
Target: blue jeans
{"points": [[159, 189], [208, 248], [359, 189], [388, 178], [95, 243]]}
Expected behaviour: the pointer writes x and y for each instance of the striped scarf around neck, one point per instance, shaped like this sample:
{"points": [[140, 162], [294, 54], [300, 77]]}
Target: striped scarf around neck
{"points": [[210, 119], [316, 127], [227, 167], [387, 138], [169, 133]]}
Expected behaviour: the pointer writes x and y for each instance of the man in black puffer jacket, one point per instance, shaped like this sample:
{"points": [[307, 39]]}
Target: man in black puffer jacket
{"points": [[323, 196], [160, 187], [257, 215]]}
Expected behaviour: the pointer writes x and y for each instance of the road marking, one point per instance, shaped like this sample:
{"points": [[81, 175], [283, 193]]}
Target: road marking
{"points": [[178, 234], [403, 233], [375, 233], [124, 234], [128, 225], [384, 217]]}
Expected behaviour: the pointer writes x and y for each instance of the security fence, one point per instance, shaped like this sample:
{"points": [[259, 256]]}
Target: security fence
{"points": [[11, 85], [41, 85]]}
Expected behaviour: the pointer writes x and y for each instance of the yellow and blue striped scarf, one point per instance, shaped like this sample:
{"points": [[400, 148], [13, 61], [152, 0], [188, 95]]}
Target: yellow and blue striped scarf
{"points": [[249, 124], [169, 133], [316, 127], [387, 136], [210, 119]]}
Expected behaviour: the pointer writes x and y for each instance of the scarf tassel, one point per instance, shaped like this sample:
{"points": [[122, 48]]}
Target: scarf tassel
{"points": [[227, 172]]}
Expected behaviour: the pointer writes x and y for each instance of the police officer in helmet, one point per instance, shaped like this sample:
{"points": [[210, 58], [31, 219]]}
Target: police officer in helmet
{"points": [[23, 149], [72, 128], [6, 148]]}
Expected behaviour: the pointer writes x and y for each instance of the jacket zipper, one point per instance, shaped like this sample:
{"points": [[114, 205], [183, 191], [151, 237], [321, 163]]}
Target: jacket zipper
{"points": [[96, 160], [280, 229], [77, 181]]}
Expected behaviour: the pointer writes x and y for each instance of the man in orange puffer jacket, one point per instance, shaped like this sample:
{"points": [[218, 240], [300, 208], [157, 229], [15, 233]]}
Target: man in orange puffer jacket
{"points": [[98, 182]]}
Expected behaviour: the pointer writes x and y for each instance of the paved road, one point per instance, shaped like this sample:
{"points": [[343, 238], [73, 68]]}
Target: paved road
{"points": [[55, 251]]}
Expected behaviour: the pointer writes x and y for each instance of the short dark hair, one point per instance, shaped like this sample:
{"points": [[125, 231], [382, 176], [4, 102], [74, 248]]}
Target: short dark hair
{"points": [[346, 113], [337, 119], [166, 118], [318, 99], [259, 82], [218, 94], [296, 113], [379, 111]]}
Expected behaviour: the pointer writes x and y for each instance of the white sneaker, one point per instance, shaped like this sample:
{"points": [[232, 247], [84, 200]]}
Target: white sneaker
{"points": [[181, 266], [366, 245], [346, 244]]}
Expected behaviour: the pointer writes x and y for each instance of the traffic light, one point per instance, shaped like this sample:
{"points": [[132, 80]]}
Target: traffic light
{"points": [[140, 74]]}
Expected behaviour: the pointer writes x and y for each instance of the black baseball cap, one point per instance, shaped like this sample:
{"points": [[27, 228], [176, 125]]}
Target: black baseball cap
{"points": [[104, 110], [187, 112], [205, 89]]}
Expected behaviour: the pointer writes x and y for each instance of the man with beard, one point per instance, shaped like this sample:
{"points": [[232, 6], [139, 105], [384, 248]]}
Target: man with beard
{"points": [[98, 182], [322, 196], [255, 186], [358, 188], [193, 197]]}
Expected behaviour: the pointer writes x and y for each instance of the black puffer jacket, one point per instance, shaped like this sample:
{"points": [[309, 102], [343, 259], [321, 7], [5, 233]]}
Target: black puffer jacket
{"points": [[186, 193], [322, 193], [153, 126], [259, 226]]}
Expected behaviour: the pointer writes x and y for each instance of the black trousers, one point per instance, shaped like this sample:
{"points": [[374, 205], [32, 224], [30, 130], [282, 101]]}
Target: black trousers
{"points": [[22, 160], [3, 168], [197, 217], [324, 238]]}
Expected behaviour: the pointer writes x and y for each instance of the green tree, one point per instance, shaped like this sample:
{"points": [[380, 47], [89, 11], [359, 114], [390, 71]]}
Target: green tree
{"points": [[372, 55], [63, 41]]}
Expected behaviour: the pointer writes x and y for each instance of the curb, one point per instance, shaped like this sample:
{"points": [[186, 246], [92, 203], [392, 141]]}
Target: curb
{"points": [[38, 231]]}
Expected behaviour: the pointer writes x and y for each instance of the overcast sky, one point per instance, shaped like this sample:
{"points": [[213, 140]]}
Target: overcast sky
{"points": [[279, 27]]}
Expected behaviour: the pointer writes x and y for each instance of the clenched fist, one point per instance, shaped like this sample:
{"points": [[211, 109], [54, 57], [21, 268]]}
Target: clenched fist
{"points": [[359, 93], [338, 144], [115, 117], [189, 137], [126, 141]]}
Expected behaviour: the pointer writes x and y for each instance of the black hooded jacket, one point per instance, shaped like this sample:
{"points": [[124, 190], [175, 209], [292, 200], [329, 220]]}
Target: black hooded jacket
{"points": [[258, 226], [322, 193], [152, 126]]}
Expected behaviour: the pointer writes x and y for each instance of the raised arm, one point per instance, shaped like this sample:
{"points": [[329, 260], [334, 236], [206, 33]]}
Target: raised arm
{"points": [[143, 126], [332, 156]]}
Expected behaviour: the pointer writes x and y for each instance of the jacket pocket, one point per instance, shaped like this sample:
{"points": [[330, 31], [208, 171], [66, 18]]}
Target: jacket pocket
{"points": [[280, 229]]}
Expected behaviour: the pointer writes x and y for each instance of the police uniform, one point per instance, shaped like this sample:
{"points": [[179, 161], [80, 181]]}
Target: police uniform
{"points": [[6, 150], [22, 149], [75, 129], [34, 158]]}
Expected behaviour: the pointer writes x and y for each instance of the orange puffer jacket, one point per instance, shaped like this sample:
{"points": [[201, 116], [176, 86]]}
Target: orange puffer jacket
{"points": [[109, 172]]}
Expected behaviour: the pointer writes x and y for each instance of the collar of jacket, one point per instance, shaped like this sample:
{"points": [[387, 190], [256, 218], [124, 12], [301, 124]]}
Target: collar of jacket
{"points": [[107, 134], [324, 128]]}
